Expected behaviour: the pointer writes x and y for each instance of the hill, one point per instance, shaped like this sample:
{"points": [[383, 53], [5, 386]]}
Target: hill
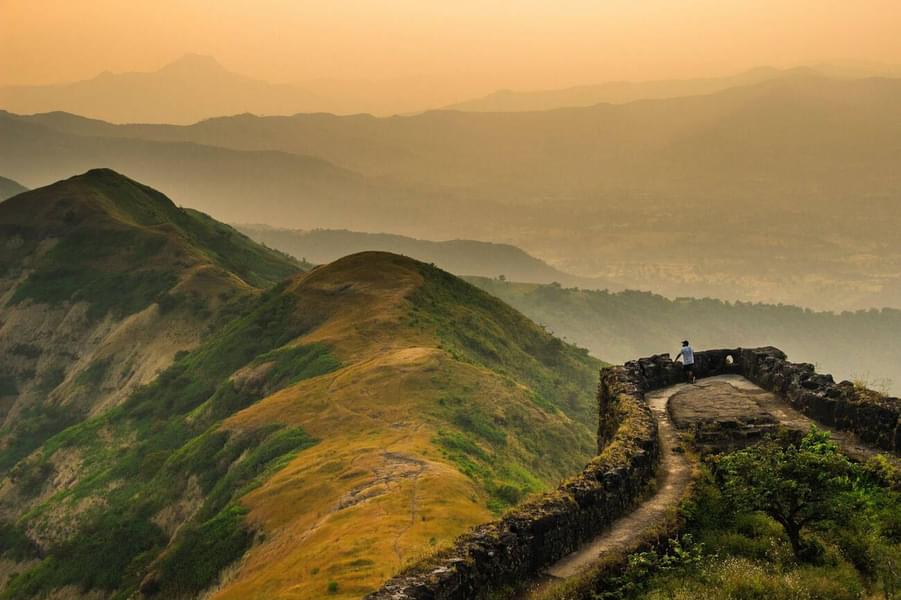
{"points": [[102, 282], [859, 345], [324, 431], [764, 183], [9, 188], [461, 257]]}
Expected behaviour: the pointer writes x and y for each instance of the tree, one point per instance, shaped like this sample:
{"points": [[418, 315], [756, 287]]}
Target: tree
{"points": [[797, 484]]}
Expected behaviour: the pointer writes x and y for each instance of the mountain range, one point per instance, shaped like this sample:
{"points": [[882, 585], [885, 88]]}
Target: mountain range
{"points": [[186, 412], [620, 92], [196, 87], [179, 92], [777, 191]]}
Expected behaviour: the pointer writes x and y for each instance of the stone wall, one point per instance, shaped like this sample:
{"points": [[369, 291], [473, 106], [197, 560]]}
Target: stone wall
{"points": [[874, 418], [542, 531]]}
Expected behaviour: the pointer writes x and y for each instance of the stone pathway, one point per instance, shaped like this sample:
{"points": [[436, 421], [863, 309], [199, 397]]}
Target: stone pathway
{"points": [[709, 393], [673, 477], [727, 403]]}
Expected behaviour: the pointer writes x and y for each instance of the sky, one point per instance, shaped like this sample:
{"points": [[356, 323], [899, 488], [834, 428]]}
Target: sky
{"points": [[471, 46]]}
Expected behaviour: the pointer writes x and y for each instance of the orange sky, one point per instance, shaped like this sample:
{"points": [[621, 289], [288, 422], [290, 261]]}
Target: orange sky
{"points": [[469, 45]]}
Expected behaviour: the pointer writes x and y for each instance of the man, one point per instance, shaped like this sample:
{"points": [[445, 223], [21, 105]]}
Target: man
{"points": [[688, 360]]}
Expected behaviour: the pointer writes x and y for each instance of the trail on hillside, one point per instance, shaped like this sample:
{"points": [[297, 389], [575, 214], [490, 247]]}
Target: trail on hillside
{"points": [[725, 397], [673, 477]]}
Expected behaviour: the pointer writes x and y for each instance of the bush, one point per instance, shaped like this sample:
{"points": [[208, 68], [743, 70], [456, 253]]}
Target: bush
{"points": [[202, 551], [798, 485]]}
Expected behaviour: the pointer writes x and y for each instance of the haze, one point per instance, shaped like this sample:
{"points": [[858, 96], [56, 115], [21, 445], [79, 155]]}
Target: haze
{"points": [[452, 49]]}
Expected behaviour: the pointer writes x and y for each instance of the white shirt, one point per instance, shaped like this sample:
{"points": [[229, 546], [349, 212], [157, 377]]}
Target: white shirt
{"points": [[688, 355]]}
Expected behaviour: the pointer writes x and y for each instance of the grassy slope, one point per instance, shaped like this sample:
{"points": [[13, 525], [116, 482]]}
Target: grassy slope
{"points": [[620, 326], [373, 408], [118, 247], [436, 426], [115, 222]]}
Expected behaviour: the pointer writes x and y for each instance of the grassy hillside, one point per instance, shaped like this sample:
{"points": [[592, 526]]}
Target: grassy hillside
{"points": [[461, 257], [103, 219], [372, 408], [618, 326], [102, 282], [9, 188]]}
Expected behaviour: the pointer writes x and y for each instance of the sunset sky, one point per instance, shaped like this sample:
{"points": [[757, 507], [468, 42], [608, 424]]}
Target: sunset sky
{"points": [[472, 46]]}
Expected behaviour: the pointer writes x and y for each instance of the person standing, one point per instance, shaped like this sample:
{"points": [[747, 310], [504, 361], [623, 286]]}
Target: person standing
{"points": [[688, 360]]}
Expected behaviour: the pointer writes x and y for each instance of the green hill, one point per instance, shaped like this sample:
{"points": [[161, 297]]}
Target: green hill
{"points": [[374, 407], [102, 281], [860, 345]]}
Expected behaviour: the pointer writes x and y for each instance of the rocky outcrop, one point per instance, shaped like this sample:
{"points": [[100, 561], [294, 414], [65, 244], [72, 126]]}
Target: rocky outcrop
{"points": [[542, 531]]}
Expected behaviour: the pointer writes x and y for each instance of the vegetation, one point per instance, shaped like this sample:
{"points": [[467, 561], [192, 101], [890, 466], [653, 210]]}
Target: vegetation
{"points": [[117, 240], [845, 519], [156, 452], [69, 272], [158, 487], [798, 485], [477, 327]]}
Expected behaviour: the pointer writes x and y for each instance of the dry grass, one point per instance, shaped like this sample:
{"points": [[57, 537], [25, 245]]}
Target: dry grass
{"points": [[377, 493]]}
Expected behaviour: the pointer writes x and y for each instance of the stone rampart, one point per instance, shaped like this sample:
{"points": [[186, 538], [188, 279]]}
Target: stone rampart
{"points": [[542, 531]]}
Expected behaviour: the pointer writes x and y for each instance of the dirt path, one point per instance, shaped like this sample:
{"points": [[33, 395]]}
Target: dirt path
{"points": [[725, 398], [673, 476]]}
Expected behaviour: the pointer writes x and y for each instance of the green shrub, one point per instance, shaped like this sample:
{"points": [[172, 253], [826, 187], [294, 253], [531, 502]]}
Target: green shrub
{"points": [[8, 385], [14, 544], [94, 374], [202, 551], [51, 380]]}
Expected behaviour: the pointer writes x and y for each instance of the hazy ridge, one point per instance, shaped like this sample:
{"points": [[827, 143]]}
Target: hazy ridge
{"points": [[781, 191]]}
